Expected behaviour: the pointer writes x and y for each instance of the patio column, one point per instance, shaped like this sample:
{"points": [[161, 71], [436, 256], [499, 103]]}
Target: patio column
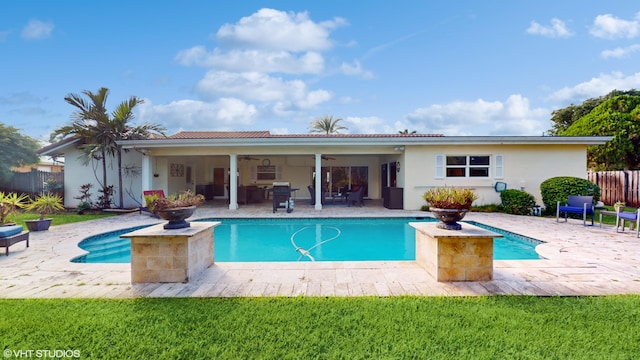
{"points": [[233, 182], [146, 173], [318, 183]]}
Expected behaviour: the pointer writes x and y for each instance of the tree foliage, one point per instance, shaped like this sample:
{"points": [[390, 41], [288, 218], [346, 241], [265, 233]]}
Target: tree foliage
{"points": [[327, 125], [563, 118], [559, 188], [618, 116], [517, 202], [100, 131], [15, 150]]}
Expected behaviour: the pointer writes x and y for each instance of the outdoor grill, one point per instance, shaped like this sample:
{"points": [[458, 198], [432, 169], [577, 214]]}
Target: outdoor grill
{"points": [[282, 196]]}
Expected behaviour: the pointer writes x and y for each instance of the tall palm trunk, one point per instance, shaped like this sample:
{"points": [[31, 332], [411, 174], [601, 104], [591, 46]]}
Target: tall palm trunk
{"points": [[104, 168], [120, 191]]}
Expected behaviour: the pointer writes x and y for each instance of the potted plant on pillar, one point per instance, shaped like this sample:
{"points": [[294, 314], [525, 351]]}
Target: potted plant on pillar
{"points": [[449, 205], [43, 204], [176, 208]]}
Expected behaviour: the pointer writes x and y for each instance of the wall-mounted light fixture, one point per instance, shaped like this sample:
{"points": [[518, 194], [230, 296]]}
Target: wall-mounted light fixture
{"points": [[142, 151], [398, 148]]}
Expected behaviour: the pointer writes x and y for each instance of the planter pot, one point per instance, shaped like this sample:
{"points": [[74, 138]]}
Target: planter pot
{"points": [[449, 218], [176, 217], [38, 225]]}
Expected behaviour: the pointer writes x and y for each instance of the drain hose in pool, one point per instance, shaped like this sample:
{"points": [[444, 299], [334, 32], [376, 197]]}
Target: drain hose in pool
{"points": [[306, 252]]}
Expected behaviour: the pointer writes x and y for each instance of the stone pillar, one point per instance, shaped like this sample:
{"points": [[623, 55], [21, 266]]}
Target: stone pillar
{"points": [[159, 255], [455, 255]]}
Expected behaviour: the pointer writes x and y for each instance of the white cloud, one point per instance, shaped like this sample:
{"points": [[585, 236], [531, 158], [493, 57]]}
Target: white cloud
{"points": [[363, 125], [511, 117], [223, 115], [620, 52], [37, 30], [347, 100], [253, 60], [610, 27], [279, 30], [596, 87], [355, 70], [260, 87], [556, 29]]}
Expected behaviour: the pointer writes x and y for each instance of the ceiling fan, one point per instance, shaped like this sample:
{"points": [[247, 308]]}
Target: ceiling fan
{"points": [[247, 158]]}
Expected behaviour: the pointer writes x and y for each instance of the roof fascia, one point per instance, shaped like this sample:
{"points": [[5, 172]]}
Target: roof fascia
{"points": [[327, 141]]}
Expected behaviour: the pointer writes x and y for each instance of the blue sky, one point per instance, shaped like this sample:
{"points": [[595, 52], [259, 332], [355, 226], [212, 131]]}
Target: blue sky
{"points": [[449, 67]]}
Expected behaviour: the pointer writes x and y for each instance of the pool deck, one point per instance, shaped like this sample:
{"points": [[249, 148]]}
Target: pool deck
{"points": [[579, 261]]}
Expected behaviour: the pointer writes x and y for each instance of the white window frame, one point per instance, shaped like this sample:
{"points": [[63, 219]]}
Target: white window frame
{"points": [[498, 167], [276, 170], [495, 162]]}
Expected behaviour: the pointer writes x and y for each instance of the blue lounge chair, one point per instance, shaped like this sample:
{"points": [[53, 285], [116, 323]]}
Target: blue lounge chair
{"points": [[10, 235], [622, 216], [577, 205]]}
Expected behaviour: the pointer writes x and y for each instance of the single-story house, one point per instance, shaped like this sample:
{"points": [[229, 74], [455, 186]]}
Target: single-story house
{"points": [[397, 168]]}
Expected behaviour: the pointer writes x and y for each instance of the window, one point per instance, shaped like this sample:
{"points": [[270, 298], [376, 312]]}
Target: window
{"points": [[464, 165], [266, 172]]}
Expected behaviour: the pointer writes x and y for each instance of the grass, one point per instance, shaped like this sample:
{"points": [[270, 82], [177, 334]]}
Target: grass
{"points": [[60, 218], [328, 328]]}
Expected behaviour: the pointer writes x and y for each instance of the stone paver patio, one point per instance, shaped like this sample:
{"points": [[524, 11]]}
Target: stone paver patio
{"points": [[579, 261]]}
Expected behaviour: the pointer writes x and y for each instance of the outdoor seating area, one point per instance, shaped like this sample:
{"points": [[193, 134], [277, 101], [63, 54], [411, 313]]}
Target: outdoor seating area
{"points": [[582, 205], [632, 217], [13, 234], [356, 197]]}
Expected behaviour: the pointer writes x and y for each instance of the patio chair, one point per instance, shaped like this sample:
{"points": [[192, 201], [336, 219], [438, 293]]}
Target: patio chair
{"points": [[356, 197], [577, 205], [13, 234], [622, 216], [312, 192]]}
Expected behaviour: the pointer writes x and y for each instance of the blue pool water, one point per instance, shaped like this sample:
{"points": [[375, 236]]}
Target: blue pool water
{"points": [[253, 240]]}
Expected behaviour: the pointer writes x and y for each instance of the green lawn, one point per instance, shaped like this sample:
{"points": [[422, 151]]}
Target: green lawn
{"points": [[496, 327], [61, 218]]}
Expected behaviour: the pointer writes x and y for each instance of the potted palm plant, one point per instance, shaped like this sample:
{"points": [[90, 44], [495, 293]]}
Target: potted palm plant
{"points": [[449, 205], [176, 208], [9, 205], [43, 204]]}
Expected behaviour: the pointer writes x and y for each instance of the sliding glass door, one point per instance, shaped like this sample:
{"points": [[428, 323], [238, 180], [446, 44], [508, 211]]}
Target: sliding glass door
{"points": [[345, 177]]}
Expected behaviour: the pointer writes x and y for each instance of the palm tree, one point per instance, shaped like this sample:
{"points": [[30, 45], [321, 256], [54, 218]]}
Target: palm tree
{"points": [[120, 129], [327, 125], [85, 125], [92, 124], [406, 131]]}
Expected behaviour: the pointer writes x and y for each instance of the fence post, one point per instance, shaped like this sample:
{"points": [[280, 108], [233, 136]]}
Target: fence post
{"points": [[626, 187]]}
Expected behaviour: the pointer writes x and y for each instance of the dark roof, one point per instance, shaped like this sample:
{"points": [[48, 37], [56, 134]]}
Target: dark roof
{"points": [[52, 148]]}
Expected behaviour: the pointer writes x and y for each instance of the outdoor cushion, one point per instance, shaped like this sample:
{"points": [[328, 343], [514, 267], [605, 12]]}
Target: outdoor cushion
{"points": [[577, 205], [10, 230]]}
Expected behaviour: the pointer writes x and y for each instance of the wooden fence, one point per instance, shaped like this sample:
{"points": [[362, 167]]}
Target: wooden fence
{"points": [[34, 183], [617, 186]]}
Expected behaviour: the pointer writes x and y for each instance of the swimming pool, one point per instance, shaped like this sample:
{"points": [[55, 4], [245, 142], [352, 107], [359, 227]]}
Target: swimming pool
{"points": [[312, 239]]}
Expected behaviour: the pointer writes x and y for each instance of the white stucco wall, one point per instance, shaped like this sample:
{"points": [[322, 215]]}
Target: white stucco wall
{"points": [[76, 173], [525, 167]]}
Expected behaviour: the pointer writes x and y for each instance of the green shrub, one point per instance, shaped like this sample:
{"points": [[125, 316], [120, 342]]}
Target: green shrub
{"points": [[559, 188], [487, 208], [517, 202]]}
